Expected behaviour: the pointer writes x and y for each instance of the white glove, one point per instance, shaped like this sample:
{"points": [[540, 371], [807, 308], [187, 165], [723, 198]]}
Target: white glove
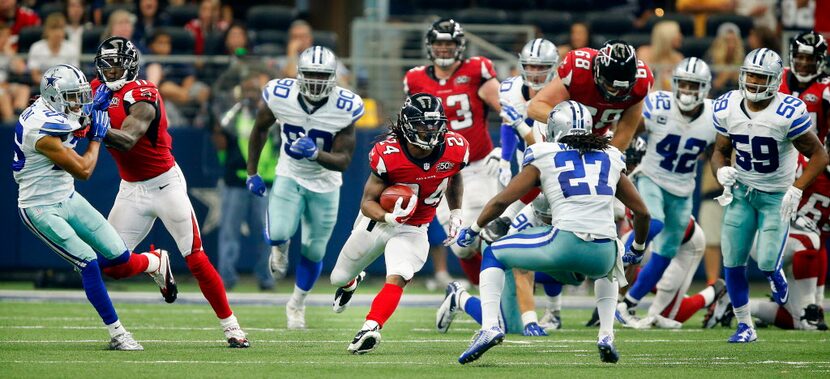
{"points": [[492, 161], [505, 174], [789, 204], [455, 226], [510, 115], [399, 215], [727, 176]]}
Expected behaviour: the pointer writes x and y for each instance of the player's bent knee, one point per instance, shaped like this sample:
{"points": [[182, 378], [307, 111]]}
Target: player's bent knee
{"points": [[463, 252], [340, 278]]}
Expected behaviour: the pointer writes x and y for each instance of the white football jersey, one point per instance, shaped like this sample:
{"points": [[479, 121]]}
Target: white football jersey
{"points": [[674, 143], [341, 109], [525, 219], [514, 92], [39, 180], [580, 188], [764, 154]]}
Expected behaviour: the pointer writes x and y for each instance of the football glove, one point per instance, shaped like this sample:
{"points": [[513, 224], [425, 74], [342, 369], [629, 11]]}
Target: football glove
{"points": [[466, 237], [306, 147], [496, 229], [510, 115], [505, 173], [454, 227], [789, 204], [727, 176], [534, 330], [399, 215], [101, 101], [99, 127], [633, 256], [491, 162], [256, 185]]}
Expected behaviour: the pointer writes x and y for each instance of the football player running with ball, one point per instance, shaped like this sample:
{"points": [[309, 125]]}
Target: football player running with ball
{"points": [[580, 175], [468, 88], [766, 129], [317, 119], [418, 152], [44, 165], [152, 184]]}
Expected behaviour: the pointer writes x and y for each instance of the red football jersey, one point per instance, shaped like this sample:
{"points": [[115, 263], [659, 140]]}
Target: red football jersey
{"points": [[815, 201], [466, 112], [577, 74], [428, 177], [816, 97], [151, 156]]}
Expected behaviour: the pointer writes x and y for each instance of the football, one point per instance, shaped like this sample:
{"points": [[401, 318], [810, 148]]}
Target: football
{"points": [[391, 194]]}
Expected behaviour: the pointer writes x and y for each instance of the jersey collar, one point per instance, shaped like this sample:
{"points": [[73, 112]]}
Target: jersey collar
{"points": [[427, 162]]}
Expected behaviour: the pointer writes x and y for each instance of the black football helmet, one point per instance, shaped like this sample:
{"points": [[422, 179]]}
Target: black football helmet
{"points": [[445, 29], [116, 62], [615, 70], [815, 46], [422, 121]]}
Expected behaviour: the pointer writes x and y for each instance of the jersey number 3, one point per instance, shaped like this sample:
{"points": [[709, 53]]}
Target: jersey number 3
{"points": [[464, 116]]}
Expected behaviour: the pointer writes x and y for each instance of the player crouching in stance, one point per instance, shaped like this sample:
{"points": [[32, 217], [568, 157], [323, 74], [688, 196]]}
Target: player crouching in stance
{"points": [[420, 153], [45, 163], [579, 175], [765, 128]]}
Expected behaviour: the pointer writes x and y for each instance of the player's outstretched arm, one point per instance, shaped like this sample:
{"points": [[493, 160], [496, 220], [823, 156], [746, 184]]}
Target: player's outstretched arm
{"points": [[341, 151], [809, 145], [627, 126], [629, 196], [369, 205], [79, 166], [518, 187], [454, 191], [540, 106], [259, 135], [133, 128], [722, 154]]}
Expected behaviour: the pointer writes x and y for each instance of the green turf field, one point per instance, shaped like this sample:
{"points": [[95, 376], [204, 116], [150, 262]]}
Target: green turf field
{"points": [[66, 339]]}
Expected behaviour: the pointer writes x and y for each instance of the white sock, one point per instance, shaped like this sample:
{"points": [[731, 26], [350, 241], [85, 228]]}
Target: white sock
{"points": [[229, 321], [743, 315], [369, 324], [806, 290], [708, 294], [116, 329], [491, 285], [606, 293], [529, 317], [298, 297], [820, 296], [155, 262], [555, 303], [462, 300]]}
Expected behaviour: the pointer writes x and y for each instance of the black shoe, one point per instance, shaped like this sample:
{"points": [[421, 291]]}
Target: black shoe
{"points": [[594, 321], [342, 297], [365, 341], [728, 316]]}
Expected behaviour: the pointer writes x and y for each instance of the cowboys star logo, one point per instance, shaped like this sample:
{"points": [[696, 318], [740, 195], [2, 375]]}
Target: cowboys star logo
{"points": [[50, 81]]}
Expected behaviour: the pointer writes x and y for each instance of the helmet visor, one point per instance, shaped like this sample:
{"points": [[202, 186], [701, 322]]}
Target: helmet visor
{"points": [[426, 131], [316, 85], [77, 101], [536, 75], [112, 66]]}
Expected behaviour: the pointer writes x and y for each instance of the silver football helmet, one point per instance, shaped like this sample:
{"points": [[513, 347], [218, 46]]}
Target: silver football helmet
{"points": [[765, 63], [566, 118], [538, 52], [65, 89], [317, 72], [541, 208], [691, 70]]}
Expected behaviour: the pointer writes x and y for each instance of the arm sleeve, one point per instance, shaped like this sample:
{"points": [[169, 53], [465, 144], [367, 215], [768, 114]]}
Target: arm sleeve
{"points": [[509, 141], [565, 69], [487, 70]]}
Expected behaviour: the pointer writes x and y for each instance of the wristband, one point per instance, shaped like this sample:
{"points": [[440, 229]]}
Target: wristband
{"points": [[638, 246], [475, 228]]}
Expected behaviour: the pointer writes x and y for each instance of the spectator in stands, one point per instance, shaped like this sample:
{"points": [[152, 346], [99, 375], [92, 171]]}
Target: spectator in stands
{"points": [[149, 18], [301, 37], [14, 95], [580, 37], [184, 95], [17, 17], [122, 24], [76, 21], [727, 50], [238, 206], [209, 21], [701, 9], [662, 54], [798, 15], [761, 11], [53, 49], [761, 36]]}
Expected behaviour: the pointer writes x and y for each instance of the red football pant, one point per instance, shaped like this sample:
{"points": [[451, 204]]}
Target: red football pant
{"points": [[210, 283]]}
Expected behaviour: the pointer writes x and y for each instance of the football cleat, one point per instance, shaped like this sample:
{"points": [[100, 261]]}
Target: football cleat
{"points": [[607, 351], [278, 262], [780, 289], [534, 330], [483, 340], [594, 321], [626, 315], [295, 315], [125, 341], [164, 276], [449, 307], [344, 295], [717, 309], [236, 337], [744, 334], [813, 318], [551, 320], [365, 341]]}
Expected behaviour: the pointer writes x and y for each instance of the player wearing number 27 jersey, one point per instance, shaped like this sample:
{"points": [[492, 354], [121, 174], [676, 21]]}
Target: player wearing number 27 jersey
{"points": [[317, 120]]}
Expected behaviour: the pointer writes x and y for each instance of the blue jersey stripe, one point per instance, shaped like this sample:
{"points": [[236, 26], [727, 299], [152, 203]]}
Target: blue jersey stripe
{"points": [[800, 130], [797, 123]]}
